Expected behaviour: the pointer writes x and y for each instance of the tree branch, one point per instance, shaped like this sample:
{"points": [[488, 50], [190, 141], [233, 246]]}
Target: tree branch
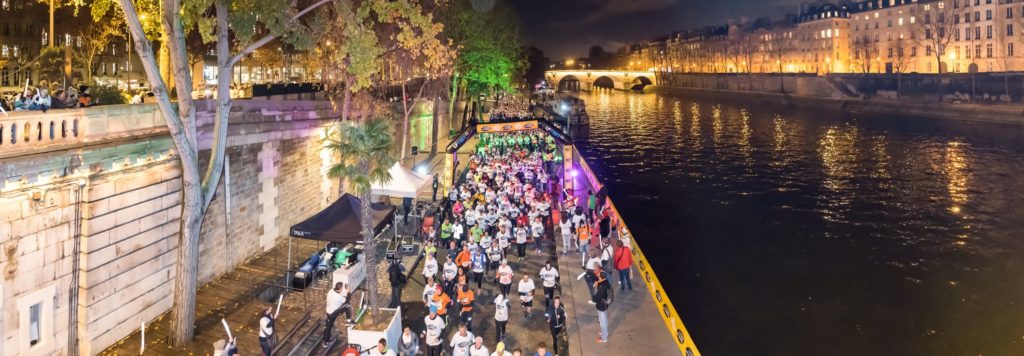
{"points": [[266, 39]]}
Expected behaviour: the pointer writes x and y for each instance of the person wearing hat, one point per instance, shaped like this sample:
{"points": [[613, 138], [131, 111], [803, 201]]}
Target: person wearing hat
{"points": [[499, 350], [440, 301], [433, 330]]}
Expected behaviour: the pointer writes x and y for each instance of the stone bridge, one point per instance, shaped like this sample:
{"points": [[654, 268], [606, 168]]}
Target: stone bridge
{"points": [[590, 79]]}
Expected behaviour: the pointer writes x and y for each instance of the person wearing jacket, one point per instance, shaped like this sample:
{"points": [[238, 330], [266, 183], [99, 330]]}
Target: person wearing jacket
{"points": [[623, 261], [409, 343], [266, 332], [601, 303], [556, 321], [396, 275]]}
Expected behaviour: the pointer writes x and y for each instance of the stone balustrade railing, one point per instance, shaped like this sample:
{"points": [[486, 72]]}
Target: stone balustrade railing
{"points": [[29, 132]]}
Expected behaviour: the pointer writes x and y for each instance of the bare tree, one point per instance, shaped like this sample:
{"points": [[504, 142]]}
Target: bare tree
{"points": [[863, 50], [780, 44], [901, 60], [934, 32]]}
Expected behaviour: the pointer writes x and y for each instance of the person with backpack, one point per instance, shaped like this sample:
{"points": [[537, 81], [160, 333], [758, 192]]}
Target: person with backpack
{"points": [[266, 332], [623, 264]]}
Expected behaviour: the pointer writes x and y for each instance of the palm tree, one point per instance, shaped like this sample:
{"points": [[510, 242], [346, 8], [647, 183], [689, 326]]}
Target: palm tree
{"points": [[366, 154]]}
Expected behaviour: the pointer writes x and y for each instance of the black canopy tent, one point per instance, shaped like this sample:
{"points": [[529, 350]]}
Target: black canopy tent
{"points": [[341, 221]]}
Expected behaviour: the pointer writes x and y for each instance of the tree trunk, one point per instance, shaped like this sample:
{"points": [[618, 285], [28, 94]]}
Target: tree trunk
{"points": [[406, 110], [434, 129], [370, 251]]}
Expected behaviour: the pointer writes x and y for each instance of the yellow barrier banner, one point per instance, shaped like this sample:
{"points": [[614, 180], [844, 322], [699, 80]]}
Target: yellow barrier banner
{"points": [[668, 313]]}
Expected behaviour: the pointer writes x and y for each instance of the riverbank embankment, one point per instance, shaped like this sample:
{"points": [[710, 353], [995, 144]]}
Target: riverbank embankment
{"points": [[1008, 114]]}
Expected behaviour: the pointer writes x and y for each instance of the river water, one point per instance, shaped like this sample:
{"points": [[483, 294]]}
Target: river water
{"points": [[781, 231]]}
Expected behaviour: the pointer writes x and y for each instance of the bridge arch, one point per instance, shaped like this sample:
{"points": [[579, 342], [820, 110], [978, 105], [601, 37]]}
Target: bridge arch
{"points": [[604, 82], [576, 80], [568, 82]]}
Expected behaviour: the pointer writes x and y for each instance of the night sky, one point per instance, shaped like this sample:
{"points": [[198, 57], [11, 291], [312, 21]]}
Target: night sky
{"points": [[567, 28]]}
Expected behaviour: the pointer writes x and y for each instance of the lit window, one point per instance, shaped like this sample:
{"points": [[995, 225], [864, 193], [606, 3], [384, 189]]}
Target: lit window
{"points": [[913, 20], [899, 22], [4, 51]]}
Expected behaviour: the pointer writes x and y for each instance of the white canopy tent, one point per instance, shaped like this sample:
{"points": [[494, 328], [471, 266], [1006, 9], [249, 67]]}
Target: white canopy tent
{"points": [[404, 183]]}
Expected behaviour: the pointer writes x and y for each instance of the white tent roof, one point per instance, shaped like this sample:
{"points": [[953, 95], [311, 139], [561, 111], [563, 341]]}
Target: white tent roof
{"points": [[404, 183]]}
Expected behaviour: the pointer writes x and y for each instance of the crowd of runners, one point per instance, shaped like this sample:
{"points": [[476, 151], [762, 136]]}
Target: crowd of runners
{"points": [[499, 214], [488, 256]]}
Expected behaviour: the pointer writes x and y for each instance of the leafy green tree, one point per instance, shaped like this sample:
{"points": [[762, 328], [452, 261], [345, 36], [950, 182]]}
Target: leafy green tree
{"points": [[50, 64], [365, 151], [489, 48]]}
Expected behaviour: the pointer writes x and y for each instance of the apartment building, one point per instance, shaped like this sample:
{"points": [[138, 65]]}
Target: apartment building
{"points": [[874, 36]]}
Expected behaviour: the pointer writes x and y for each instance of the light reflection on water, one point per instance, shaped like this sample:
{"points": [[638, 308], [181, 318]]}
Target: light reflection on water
{"points": [[835, 233]]}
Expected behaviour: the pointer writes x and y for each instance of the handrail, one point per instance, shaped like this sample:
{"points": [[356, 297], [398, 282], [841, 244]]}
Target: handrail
{"points": [[673, 321]]}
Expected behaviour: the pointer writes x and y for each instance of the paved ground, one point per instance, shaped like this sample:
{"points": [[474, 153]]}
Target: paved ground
{"points": [[634, 325], [232, 296]]}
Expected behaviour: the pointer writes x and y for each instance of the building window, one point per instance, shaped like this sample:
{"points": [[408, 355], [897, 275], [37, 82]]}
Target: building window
{"points": [[36, 316], [988, 50], [1009, 29], [967, 34], [928, 50], [1009, 49], [988, 14], [1009, 12], [888, 23], [977, 51], [977, 32], [988, 31], [899, 21], [890, 52], [912, 20], [977, 16], [913, 51]]}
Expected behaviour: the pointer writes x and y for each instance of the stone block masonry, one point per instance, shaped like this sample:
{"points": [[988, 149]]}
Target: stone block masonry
{"points": [[117, 203]]}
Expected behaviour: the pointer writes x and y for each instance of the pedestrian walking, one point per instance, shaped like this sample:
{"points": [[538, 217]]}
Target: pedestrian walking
{"points": [[337, 303], [434, 186], [601, 301], [478, 264], [555, 315], [606, 257], [566, 228], [409, 343], [623, 264], [396, 275], [266, 333]]}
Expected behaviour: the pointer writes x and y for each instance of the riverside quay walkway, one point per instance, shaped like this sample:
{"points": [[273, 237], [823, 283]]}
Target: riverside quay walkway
{"points": [[640, 322]]}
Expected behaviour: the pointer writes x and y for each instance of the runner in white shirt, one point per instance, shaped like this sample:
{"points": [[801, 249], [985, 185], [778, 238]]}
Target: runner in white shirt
{"points": [[548, 279], [526, 290], [478, 348], [501, 305], [428, 292], [429, 268], [433, 331], [504, 277], [461, 341]]}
